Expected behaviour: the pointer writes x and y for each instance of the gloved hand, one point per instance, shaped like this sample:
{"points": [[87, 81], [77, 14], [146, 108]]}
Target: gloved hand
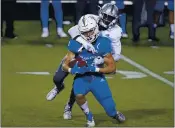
{"points": [[92, 68], [98, 60], [78, 70], [89, 47]]}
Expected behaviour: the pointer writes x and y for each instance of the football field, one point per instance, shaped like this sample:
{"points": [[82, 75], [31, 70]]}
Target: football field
{"points": [[143, 87]]}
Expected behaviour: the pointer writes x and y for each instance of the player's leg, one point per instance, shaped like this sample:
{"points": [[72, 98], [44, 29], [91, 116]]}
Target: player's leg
{"points": [[80, 5], [9, 19], [137, 9], [150, 20], [122, 17], [93, 8], [68, 107], [171, 17], [58, 79], [44, 15], [104, 97], [59, 17], [158, 10], [81, 88]]}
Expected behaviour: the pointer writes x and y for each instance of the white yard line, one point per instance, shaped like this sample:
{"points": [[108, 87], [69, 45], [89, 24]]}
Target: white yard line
{"points": [[142, 68]]}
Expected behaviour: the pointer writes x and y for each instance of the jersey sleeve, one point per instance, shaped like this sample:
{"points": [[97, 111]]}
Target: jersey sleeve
{"points": [[74, 46], [116, 34], [73, 31]]}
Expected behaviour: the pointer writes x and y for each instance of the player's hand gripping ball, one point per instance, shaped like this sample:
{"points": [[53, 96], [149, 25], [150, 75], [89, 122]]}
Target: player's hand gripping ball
{"points": [[98, 60], [80, 61]]}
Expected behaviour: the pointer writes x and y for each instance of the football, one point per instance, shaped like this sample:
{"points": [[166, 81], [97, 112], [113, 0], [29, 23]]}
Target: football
{"points": [[80, 61]]}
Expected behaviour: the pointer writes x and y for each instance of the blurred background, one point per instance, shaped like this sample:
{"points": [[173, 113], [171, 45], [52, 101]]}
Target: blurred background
{"points": [[135, 14], [34, 40]]}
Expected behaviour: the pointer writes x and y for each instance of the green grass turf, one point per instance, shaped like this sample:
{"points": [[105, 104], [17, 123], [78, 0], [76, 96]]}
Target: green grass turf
{"points": [[145, 102]]}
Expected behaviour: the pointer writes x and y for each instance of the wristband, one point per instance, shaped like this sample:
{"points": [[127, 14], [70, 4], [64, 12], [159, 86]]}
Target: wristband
{"points": [[69, 70], [97, 69]]}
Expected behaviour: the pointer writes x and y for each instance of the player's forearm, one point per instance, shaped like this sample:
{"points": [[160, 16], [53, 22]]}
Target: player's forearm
{"points": [[73, 31], [67, 60], [66, 68], [75, 35], [110, 65], [81, 40], [107, 69]]}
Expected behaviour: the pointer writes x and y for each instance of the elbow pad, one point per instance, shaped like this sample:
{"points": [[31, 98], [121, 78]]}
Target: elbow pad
{"points": [[73, 31]]}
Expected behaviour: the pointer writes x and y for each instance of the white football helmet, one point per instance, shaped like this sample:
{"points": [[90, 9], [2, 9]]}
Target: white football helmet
{"points": [[108, 14], [88, 28]]}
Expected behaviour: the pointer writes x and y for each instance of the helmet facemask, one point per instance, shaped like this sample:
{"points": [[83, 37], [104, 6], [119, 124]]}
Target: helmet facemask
{"points": [[90, 35], [107, 19], [108, 15]]}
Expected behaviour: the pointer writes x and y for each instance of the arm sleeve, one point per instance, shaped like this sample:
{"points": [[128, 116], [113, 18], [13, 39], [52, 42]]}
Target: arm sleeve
{"points": [[74, 32], [74, 46], [116, 35], [75, 35], [81, 40]]}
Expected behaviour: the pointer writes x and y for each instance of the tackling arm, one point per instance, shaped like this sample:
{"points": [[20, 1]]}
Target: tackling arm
{"points": [[70, 55], [109, 65], [116, 50]]}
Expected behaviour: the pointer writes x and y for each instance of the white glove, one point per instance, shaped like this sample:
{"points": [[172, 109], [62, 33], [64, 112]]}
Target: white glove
{"points": [[98, 60], [88, 46]]}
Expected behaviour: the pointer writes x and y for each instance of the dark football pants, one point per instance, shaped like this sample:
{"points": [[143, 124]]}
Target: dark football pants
{"points": [[136, 23], [81, 5], [7, 15], [59, 77]]}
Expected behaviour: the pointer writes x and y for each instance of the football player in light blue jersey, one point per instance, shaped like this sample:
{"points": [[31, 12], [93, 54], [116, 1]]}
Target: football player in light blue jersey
{"points": [[90, 78], [107, 21]]}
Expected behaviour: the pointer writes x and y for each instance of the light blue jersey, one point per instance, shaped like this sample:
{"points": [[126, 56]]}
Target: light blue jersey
{"points": [[102, 46], [94, 82]]}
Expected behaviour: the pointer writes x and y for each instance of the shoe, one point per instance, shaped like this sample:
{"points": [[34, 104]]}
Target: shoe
{"points": [[153, 39], [11, 36], [62, 34], [90, 120], [45, 34], [120, 117], [67, 113], [172, 35], [53, 93], [90, 123], [124, 35]]}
